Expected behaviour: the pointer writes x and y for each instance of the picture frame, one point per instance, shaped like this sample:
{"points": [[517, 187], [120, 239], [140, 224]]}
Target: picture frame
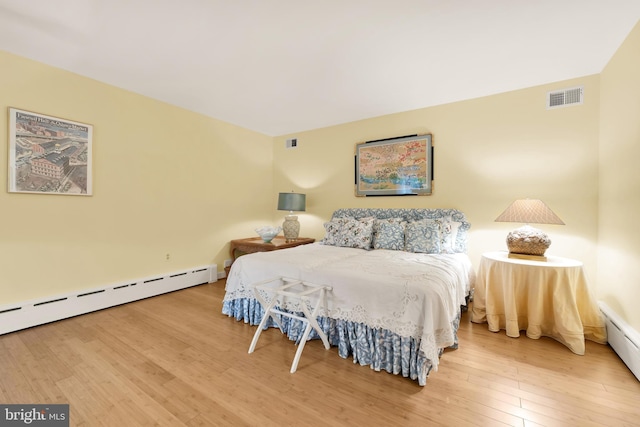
{"points": [[401, 166], [49, 155]]}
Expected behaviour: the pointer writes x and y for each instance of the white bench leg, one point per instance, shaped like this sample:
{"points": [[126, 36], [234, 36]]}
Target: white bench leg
{"points": [[296, 359], [311, 321], [263, 322]]}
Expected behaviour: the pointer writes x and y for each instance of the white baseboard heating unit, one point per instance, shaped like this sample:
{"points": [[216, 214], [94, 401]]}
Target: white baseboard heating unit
{"points": [[624, 340], [22, 315]]}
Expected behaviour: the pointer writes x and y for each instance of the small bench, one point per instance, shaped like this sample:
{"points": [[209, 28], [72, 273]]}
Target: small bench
{"points": [[297, 290]]}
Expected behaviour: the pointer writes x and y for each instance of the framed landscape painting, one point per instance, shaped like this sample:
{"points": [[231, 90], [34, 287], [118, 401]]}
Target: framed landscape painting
{"points": [[395, 167], [49, 155]]}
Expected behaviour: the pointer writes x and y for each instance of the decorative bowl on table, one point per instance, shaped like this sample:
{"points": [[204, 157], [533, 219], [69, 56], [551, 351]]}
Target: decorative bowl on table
{"points": [[267, 233]]}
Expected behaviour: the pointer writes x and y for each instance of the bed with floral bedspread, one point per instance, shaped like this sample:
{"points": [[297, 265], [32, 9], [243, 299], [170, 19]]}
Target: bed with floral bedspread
{"points": [[399, 279]]}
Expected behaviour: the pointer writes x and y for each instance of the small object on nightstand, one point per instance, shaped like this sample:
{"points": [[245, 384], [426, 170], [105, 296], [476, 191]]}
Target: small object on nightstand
{"points": [[291, 202], [527, 242], [268, 233]]}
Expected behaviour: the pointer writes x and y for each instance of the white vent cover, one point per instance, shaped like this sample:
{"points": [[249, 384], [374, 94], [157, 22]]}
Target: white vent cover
{"points": [[292, 143], [565, 97]]}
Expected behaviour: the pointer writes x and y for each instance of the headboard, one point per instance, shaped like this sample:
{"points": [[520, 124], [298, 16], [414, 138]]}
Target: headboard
{"points": [[413, 215]]}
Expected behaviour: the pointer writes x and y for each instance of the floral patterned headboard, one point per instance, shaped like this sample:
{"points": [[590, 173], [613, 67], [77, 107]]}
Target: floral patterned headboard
{"points": [[409, 215]]}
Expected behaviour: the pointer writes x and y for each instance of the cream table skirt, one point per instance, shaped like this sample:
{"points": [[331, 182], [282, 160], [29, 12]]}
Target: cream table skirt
{"points": [[549, 299]]}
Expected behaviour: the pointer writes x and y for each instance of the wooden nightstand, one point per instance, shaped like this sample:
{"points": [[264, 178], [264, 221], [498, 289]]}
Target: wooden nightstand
{"points": [[255, 244]]}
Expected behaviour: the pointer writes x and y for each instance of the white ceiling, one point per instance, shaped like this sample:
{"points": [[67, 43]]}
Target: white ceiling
{"points": [[284, 66]]}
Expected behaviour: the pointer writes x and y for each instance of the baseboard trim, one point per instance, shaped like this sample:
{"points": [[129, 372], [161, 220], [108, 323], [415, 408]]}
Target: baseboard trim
{"points": [[26, 314], [624, 340]]}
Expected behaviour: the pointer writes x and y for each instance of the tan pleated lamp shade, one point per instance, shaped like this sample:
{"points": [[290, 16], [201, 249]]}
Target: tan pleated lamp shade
{"points": [[529, 211]]}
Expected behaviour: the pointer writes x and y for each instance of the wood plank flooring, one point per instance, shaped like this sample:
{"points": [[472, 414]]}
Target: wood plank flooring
{"points": [[175, 360]]}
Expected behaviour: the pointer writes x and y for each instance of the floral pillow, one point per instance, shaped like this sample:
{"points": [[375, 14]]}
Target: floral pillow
{"points": [[389, 235], [357, 233], [332, 230], [349, 232], [423, 236], [381, 230]]}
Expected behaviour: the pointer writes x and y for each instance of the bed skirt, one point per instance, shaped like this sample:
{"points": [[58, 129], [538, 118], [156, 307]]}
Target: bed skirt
{"points": [[378, 348]]}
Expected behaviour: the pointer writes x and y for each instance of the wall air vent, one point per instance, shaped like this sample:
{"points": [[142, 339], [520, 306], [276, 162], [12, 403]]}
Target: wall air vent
{"points": [[565, 97], [292, 143]]}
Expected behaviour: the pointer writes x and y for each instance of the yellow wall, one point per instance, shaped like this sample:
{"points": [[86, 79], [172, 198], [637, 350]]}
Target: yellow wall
{"points": [[166, 180], [619, 250], [488, 152]]}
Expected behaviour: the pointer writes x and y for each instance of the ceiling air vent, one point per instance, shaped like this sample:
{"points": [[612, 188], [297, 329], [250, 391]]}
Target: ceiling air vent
{"points": [[565, 97]]}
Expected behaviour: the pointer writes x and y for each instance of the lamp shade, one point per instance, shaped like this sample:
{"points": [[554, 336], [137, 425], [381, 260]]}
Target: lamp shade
{"points": [[529, 211], [291, 202], [527, 241]]}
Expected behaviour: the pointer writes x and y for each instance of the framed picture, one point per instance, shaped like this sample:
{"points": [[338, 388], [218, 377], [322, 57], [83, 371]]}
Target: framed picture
{"points": [[400, 166], [48, 155]]}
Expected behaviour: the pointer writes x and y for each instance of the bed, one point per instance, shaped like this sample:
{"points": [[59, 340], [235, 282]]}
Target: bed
{"points": [[400, 279]]}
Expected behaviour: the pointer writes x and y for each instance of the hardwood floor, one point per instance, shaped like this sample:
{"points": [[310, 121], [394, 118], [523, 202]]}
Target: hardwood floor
{"points": [[175, 360]]}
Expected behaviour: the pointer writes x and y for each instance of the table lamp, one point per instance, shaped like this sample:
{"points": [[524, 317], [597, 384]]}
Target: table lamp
{"points": [[528, 242], [291, 202]]}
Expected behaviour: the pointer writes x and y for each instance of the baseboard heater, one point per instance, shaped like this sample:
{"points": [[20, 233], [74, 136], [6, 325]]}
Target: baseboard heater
{"points": [[17, 316], [624, 340]]}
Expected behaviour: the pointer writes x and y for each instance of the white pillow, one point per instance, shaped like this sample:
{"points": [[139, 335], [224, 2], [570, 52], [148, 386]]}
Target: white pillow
{"points": [[449, 234]]}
